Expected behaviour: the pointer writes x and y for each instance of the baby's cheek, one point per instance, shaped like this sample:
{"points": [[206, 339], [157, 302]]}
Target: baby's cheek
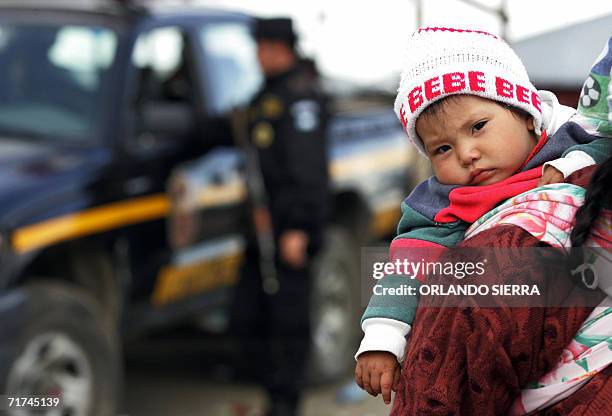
{"points": [[450, 173], [440, 170]]}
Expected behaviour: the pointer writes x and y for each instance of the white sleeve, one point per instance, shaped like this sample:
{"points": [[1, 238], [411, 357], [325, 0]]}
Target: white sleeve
{"points": [[384, 334], [571, 162]]}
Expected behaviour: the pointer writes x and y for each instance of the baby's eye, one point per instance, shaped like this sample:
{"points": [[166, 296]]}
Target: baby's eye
{"points": [[442, 149], [478, 126]]}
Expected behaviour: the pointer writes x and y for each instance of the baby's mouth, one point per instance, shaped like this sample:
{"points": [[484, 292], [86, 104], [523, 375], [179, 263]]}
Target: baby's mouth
{"points": [[478, 176]]}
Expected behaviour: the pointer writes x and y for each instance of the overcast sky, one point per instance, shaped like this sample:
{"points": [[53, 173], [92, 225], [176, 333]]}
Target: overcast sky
{"points": [[363, 41]]}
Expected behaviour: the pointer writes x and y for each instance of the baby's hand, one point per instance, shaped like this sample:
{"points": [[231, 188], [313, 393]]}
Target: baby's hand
{"points": [[550, 175], [378, 372]]}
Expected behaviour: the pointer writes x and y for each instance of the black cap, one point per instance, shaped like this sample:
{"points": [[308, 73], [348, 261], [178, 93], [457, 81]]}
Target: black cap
{"points": [[278, 28]]}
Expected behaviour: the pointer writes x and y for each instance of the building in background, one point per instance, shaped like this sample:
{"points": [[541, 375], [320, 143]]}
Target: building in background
{"points": [[560, 60]]}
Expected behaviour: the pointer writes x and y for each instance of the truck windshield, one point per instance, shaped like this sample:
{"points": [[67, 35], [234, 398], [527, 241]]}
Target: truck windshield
{"points": [[52, 78]]}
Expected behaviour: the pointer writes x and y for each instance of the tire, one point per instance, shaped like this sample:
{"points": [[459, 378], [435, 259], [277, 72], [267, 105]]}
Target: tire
{"points": [[335, 309], [59, 344]]}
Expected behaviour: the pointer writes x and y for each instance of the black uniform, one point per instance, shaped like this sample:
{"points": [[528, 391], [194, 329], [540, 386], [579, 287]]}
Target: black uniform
{"points": [[287, 127], [289, 118]]}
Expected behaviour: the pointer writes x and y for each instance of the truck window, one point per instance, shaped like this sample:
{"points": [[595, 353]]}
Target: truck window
{"points": [[159, 56], [231, 67], [164, 93], [51, 79]]}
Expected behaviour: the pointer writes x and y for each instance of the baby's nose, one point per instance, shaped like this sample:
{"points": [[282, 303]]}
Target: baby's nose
{"points": [[469, 154]]}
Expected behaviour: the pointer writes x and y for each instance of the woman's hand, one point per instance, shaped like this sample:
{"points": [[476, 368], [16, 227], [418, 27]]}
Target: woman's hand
{"points": [[378, 372]]}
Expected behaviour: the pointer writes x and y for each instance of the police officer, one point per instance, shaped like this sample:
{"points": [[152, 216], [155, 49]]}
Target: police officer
{"points": [[287, 122]]}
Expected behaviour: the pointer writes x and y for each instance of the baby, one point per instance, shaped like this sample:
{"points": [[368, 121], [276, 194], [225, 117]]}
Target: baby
{"points": [[466, 103]]}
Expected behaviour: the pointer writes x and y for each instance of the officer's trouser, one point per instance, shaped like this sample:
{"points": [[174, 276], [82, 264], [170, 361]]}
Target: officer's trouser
{"points": [[274, 329]]}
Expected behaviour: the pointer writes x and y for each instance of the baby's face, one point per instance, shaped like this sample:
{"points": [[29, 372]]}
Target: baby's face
{"points": [[475, 141]]}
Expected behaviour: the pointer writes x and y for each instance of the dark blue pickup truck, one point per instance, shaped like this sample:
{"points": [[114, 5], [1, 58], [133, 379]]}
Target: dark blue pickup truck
{"points": [[118, 213]]}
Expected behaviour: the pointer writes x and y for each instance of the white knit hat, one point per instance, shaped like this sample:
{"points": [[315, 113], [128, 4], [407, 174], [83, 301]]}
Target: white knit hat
{"points": [[444, 61]]}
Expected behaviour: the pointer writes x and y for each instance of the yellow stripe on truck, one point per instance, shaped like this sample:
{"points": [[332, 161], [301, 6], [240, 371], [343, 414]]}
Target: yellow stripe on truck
{"points": [[222, 195], [177, 282], [385, 221], [90, 221], [115, 215], [376, 161]]}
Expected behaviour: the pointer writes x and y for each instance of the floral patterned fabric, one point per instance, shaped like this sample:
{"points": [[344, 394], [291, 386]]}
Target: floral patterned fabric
{"points": [[547, 213], [587, 354]]}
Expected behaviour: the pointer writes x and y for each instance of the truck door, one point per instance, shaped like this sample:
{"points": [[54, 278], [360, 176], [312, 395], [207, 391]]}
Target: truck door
{"points": [[207, 221], [160, 133]]}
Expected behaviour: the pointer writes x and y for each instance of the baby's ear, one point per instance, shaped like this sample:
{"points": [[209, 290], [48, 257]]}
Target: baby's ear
{"points": [[530, 124]]}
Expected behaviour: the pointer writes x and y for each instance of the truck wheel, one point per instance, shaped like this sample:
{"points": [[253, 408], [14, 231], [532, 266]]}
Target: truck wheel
{"points": [[335, 309], [57, 343]]}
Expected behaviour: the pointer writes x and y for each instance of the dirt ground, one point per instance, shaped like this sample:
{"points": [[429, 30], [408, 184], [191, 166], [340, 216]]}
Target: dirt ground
{"points": [[188, 376]]}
